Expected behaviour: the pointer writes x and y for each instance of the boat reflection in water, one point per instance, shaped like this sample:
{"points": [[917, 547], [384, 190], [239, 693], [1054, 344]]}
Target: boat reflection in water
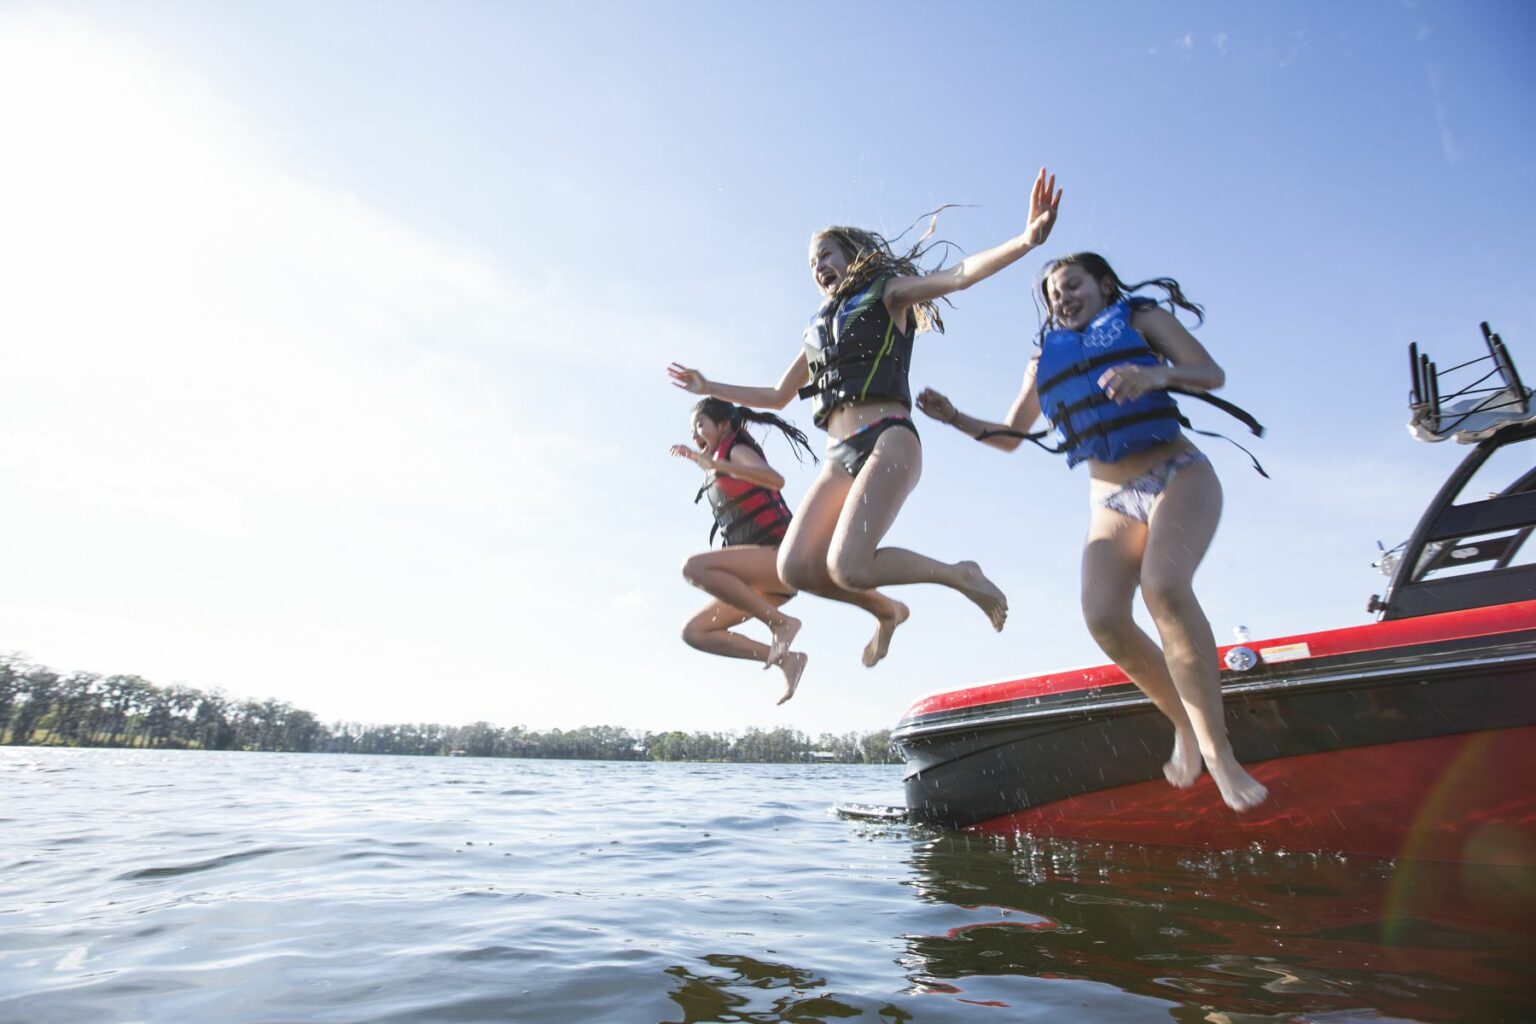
{"points": [[1234, 937]]}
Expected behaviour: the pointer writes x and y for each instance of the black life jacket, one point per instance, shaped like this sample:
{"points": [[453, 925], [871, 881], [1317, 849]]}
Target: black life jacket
{"points": [[745, 513], [856, 352]]}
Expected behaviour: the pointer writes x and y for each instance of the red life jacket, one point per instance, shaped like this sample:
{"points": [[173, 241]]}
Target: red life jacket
{"points": [[745, 513]]}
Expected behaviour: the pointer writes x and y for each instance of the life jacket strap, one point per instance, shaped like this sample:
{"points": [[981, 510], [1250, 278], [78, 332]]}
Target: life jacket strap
{"points": [[1237, 412], [1257, 468], [726, 517], [842, 373], [1106, 426], [1034, 438], [762, 532], [1091, 363]]}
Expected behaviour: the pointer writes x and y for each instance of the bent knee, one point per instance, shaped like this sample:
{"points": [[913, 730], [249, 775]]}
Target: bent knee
{"points": [[694, 633], [1109, 627], [800, 573], [1169, 600], [851, 573], [693, 568]]}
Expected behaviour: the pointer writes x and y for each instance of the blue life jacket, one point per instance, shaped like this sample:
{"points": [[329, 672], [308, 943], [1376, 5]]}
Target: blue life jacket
{"points": [[856, 352], [1093, 425]]}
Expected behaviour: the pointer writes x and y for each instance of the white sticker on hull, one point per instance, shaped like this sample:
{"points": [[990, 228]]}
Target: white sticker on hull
{"points": [[1285, 652]]}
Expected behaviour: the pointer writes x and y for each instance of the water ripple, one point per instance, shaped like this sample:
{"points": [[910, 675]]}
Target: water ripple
{"points": [[262, 888], [211, 864]]}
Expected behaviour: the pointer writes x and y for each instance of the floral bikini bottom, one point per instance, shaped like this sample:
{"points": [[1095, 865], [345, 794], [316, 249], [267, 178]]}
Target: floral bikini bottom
{"points": [[1136, 496]]}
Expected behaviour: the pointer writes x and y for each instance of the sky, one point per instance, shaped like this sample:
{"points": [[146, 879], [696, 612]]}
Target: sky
{"points": [[332, 336]]}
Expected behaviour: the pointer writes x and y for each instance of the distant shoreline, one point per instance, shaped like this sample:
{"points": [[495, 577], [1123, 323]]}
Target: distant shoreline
{"points": [[40, 707]]}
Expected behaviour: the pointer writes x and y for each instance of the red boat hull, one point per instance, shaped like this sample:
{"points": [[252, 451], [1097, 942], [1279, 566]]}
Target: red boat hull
{"points": [[1414, 738], [1464, 798]]}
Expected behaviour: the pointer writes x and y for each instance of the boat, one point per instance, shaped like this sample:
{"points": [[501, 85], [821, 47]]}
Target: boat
{"points": [[1411, 736]]}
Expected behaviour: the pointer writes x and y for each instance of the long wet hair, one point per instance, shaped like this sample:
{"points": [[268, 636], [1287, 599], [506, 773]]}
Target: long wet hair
{"points": [[736, 417], [1098, 268], [871, 254]]}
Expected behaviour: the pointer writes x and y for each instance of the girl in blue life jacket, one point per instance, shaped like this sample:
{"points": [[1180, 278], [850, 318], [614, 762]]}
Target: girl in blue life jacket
{"points": [[854, 364], [1106, 361], [742, 577]]}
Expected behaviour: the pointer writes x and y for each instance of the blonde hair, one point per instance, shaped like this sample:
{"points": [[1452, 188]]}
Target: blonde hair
{"points": [[870, 255]]}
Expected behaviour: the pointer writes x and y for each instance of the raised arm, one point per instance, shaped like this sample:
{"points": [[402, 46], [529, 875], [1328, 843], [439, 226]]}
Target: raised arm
{"points": [[1187, 364], [1021, 415], [904, 292], [743, 463], [776, 397]]}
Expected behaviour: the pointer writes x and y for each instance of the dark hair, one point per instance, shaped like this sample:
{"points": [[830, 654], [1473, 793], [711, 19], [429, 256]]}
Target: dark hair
{"points": [[718, 410], [1098, 268], [871, 254]]}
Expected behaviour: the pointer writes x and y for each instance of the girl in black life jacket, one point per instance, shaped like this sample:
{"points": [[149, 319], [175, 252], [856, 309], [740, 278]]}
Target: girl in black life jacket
{"points": [[1107, 360], [752, 519], [854, 363]]}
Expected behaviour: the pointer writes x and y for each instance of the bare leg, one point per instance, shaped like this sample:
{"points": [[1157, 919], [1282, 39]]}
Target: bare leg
{"points": [[710, 631], [1111, 563], [803, 558], [744, 577], [858, 562], [1182, 524]]}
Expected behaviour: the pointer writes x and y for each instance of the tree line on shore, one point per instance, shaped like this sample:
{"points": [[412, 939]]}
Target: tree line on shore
{"points": [[39, 706]]}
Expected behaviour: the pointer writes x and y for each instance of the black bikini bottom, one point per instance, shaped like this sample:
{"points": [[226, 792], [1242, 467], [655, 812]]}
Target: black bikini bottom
{"points": [[853, 451]]}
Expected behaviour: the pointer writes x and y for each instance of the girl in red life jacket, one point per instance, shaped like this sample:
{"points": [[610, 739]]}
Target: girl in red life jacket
{"points": [[1154, 499], [752, 519], [854, 363]]}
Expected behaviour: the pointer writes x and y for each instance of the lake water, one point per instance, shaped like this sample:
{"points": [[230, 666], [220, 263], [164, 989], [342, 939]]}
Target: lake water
{"points": [[209, 887]]}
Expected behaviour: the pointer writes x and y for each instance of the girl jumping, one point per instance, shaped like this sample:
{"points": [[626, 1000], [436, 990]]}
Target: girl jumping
{"points": [[752, 520], [1107, 360], [854, 366]]}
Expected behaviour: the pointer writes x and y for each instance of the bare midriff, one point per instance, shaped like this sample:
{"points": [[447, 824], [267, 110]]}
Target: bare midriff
{"points": [[1134, 465]]}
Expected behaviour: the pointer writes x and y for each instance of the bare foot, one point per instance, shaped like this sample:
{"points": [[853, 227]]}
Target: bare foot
{"points": [[983, 593], [1184, 765], [1240, 790], [793, 664], [783, 636], [876, 648]]}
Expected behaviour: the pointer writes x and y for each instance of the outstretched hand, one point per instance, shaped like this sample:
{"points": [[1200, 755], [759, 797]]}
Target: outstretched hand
{"points": [[936, 405], [682, 451], [1044, 200], [688, 379]]}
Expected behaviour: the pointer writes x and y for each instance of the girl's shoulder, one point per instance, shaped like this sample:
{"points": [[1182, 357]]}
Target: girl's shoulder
{"points": [[744, 448], [1148, 313]]}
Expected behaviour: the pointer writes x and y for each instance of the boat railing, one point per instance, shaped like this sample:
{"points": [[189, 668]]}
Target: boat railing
{"points": [[1469, 412], [1462, 555]]}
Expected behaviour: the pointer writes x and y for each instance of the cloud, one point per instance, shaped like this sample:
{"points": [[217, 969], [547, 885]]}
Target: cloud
{"points": [[1448, 146]]}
